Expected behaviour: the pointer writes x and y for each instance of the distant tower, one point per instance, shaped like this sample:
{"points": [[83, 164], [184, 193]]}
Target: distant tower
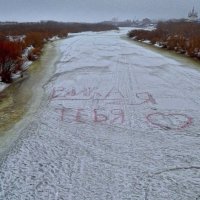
{"points": [[193, 15]]}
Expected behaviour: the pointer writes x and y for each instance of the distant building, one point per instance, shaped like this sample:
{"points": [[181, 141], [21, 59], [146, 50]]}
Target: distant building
{"points": [[132, 23], [193, 15]]}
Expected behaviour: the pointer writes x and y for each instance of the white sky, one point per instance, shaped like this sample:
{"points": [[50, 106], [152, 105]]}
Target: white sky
{"points": [[94, 10]]}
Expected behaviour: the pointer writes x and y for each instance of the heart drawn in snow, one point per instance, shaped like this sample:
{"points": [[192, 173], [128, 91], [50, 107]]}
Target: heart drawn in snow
{"points": [[170, 121]]}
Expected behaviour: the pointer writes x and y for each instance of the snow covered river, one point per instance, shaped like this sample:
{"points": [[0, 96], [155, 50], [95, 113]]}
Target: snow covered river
{"points": [[116, 122]]}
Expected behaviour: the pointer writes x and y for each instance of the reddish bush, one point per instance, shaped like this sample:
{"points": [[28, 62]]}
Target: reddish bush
{"points": [[10, 59], [183, 37], [34, 38], [35, 34]]}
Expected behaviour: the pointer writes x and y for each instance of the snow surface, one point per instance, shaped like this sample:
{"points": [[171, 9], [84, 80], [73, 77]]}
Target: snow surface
{"points": [[117, 121]]}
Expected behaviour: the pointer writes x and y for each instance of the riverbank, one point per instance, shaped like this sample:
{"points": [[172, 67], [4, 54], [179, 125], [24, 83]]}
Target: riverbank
{"points": [[22, 43], [188, 61], [22, 98], [173, 36]]}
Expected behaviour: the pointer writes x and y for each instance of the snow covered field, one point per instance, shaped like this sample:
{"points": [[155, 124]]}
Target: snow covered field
{"points": [[116, 122]]}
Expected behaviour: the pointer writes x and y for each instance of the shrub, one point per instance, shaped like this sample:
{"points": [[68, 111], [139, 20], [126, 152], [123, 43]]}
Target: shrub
{"points": [[10, 59], [181, 36]]}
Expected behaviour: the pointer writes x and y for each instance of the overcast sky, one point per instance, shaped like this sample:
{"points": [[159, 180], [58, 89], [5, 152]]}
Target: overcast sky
{"points": [[94, 10]]}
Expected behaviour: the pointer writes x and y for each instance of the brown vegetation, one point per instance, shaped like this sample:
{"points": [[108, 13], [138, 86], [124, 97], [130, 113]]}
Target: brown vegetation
{"points": [[10, 59], [16, 37], [182, 37]]}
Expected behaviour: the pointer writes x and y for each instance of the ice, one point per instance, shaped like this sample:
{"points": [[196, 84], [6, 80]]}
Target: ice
{"points": [[116, 121]]}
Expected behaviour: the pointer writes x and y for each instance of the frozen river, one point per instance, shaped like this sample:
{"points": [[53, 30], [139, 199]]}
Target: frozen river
{"points": [[116, 122]]}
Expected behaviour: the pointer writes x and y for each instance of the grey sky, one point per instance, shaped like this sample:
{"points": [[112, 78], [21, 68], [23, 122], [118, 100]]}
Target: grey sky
{"points": [[94, 10]]}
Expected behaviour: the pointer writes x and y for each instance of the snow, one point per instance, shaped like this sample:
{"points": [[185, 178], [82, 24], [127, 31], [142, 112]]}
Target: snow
{"points": [[26, 65], [16, 75], [18, 38], [54, 38], [158, 45], [146, 41], [3, 86], [26, 52], [117, 121]]}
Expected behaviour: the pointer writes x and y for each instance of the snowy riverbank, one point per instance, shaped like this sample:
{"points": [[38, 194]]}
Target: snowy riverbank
{"points": [[21, 102]]}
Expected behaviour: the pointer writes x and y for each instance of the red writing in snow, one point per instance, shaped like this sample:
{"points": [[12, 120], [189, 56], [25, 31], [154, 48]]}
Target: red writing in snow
{"points": [[114, 116], [170, 121], [113, 96]]}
